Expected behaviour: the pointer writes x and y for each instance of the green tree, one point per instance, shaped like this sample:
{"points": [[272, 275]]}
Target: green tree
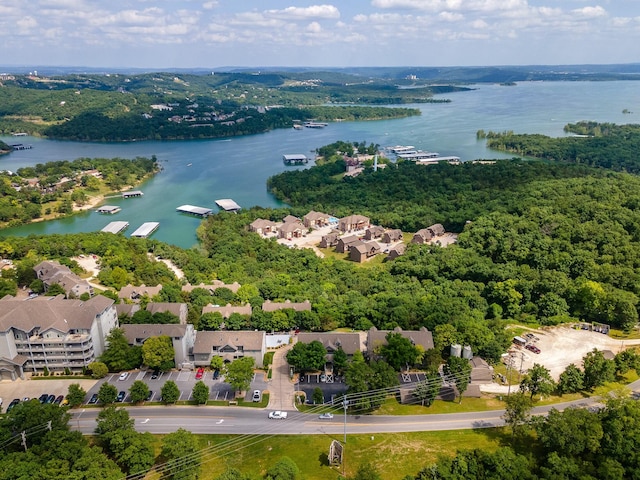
{"points": [[571, 380], [55, 289], [132, 451], [211, 321], [537, 381], [138, 392], [597, 369], [30, 417], [232, 474], [318, 396], [98, 369], [459, 370], [180, 450], [216, 363], [112, 420], [284, 469], [239, 373], [428, 390], [200, 393], [107, 393], [517, 412], [75, 395], [399, 352], [367, 471], [339, 360], [158, 353], [573, 432], [119, 355], [170, 392], [307, 356]]}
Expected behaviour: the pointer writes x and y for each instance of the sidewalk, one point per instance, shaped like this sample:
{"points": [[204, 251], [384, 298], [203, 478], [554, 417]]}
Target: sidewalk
{"points": [[281, 389]]}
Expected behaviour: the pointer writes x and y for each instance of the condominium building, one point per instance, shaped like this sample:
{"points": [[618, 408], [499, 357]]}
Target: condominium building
{"points": [[52, 332]]}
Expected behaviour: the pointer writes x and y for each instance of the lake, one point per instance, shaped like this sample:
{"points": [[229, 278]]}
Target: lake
{"points": [[202, 171]]}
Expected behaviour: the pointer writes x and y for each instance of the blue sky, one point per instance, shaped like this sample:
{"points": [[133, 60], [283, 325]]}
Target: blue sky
{"points": [[213, 33]]}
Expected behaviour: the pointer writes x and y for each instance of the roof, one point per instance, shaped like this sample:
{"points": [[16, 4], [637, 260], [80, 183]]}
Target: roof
{"points": [[248, 339], [174, 308], [228, 309], [290, 218], [291, 226], [227, 204], [350, 342], [145, 229], [270, 306], [47, 313], [132, 291], [261, 223], [234, 287], [147, 330], [195, 210], [316, 216], [421, 337], [115, 227]]}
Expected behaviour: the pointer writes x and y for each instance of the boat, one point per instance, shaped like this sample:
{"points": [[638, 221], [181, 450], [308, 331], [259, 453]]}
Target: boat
{"points": [[315, 124], [189, 164]]}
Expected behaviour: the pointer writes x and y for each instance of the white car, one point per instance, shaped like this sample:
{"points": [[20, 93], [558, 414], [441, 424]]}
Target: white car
{"points": [[277, 415], [256, 395], [327, 415], [123, 376]]}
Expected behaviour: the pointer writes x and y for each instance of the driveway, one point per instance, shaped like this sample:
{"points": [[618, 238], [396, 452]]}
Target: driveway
{"points": [[281, 391]]}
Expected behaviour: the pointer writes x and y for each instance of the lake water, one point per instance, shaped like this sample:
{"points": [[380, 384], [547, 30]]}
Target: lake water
{"points": [[199, 172]]}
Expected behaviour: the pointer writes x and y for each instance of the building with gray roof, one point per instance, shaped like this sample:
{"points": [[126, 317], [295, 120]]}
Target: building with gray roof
{"points": [[53, 272], [182, 337], [52, 332], [230, 345]]}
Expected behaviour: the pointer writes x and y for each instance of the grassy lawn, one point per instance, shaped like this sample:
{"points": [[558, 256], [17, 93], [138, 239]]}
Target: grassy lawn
{"points": [[394, 455]]}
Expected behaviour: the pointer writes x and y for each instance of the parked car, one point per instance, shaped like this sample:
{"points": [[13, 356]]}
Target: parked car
{"points": [[149, 397], [123, 376], [216, 374], [200, 373], [278, 415], [155, 374], [93, 399], [58, 399], [13, 403], [51, 399], [323, 378], [256, 395], [327, 415], [532, 348], [26, 399], [43, 398], [121, 395]]}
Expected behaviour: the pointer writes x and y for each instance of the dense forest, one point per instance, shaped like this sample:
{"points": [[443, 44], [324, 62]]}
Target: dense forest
{"points": [[55, 187], [168, 106], [602, 145]]}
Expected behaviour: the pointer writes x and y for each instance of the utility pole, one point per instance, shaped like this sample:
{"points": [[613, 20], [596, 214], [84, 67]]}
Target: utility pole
{"points": [[344, 445], [24, 440]]}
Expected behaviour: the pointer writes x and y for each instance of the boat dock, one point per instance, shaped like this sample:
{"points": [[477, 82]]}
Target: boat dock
{"points": [[228, 205], [417, 156], [295, 159], [115, 227], [110, 209], [20, 146], [315, 124], [132, 193], [146, 229], [451, 160], [193, 210]]}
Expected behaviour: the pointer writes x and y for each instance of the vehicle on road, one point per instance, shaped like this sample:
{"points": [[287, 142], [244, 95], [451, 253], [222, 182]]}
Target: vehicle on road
{"points": [[256, 395], [277, 415], [123, 376], [326, 416], [200, 373], [93, 399], [121, 395]]}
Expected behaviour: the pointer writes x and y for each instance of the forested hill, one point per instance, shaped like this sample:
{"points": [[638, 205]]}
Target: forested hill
{"points": [[410, 196]]}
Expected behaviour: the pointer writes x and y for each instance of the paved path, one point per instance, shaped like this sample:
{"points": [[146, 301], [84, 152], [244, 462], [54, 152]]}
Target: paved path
{"points": [[281, 388]]}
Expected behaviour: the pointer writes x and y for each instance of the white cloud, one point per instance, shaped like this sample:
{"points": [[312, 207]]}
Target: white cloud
{"points": [[303, 13], [450, 17], [590, 12], [314, 27], [210, 5]]}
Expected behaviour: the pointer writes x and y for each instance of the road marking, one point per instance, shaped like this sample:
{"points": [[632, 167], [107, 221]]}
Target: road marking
{"points": [[219, 422], [145, 420]]}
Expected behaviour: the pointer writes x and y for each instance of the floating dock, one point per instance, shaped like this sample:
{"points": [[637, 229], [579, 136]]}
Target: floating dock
{"points": [[110, 209], [193, 210], [146, 229], [20, 146], [315, 124], [132, 193], [432, 161], [295, 159], [115, 227], [228, 205]]}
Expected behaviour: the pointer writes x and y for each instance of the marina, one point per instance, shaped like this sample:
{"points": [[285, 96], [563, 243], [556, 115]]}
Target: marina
{"points": [[295, 159], [228, 205], [132, 193], [115, 227], [109, 209], [193, 210], [145, 230]]}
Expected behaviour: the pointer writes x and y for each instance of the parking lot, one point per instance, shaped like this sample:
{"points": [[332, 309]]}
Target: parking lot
{"points": [[185, 380]]}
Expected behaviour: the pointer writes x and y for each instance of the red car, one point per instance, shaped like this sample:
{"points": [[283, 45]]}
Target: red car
{"points": [[199, 373]]}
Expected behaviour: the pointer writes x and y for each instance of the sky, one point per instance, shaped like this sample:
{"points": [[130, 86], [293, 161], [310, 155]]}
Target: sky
{"points": [[158, 34]]}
